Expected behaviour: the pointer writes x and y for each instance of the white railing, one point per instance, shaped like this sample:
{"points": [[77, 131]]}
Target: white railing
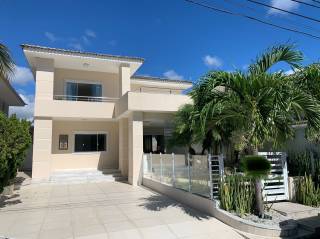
{"points": [[198, 174], [150, 89], [84, 98]]}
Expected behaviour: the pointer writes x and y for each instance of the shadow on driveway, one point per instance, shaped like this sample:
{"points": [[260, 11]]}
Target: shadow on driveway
{"points": [[160, 202]]}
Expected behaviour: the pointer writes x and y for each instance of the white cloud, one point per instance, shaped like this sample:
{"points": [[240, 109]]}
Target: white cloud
{"points": [[51, 36], [283, 4], [90, 33], [212, 61], [25, 112], [75, 42], [22, 75], [171, 74]]}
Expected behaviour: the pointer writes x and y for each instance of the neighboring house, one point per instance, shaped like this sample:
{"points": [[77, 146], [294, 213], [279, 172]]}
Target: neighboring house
{"points": [[92, 112], [8, 96]]}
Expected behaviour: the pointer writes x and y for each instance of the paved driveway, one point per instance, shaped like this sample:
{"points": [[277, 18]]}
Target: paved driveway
{"points": [[103, 210]]}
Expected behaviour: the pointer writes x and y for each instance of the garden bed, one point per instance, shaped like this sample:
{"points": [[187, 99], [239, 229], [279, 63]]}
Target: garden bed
{"points": [[275, 218]]}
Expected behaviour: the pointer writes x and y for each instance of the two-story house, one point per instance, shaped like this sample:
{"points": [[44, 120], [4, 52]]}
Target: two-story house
{"points": [[8, 96], [93, 112]]}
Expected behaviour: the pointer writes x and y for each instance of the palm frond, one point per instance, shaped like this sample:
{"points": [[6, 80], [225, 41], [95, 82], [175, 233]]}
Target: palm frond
{"points": [[6, 62], [281, 53]]}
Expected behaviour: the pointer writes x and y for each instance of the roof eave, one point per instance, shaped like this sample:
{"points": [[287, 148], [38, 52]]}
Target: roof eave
{"points": [[29, 47]]}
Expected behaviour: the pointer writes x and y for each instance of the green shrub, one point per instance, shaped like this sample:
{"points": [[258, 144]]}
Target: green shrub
{"points": [[255, 166], [307, 192], [15, 139], [236, 194], [300, 164]]}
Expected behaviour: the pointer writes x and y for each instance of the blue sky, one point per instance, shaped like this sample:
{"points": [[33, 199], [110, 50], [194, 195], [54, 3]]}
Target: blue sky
{"points": [[177, 39]]}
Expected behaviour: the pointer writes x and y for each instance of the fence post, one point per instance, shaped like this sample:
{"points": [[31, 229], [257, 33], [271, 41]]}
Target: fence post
{"points": [[160, 168], [189, 173], [210, 176], [173, 172], [221, 165], [285, 174], [151, 169]]}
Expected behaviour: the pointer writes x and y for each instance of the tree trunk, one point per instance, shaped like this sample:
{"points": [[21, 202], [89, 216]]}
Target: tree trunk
{"points": [[259, 199], [258, 192]]}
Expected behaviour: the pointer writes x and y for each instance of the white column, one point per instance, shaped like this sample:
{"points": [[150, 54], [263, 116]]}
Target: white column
{"points": [[42, 146], [42, 143], [124, 80], [135, 148], [123, 146]]}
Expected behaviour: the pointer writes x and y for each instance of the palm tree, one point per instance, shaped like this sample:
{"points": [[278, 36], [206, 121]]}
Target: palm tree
{"points": [[6, 62], [258, 106], [308, 79], [184, 133]]}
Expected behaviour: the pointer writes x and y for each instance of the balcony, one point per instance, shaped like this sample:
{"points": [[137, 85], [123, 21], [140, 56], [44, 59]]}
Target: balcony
{"points": [[150, 102], [76, 107], [102, 108], [84, 98], [157, 90]]}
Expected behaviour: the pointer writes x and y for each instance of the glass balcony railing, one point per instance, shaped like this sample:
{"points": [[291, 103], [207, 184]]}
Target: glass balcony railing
{"points": [[84, 98]]}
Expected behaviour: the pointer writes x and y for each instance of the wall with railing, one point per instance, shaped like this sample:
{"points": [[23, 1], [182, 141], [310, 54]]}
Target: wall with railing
{"points": [[197, 174]]}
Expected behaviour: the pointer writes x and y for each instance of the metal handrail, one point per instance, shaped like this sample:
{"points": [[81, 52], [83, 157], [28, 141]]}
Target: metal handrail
{"points": [[168, 90], [84, 98]]}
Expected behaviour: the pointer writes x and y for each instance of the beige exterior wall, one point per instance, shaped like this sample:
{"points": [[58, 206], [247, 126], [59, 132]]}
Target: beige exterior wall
{"points": [[135, 148], [124, 80], [149, 102], [123, 146], [74, 109], [68, 159], [42, 145], [109, 82]]}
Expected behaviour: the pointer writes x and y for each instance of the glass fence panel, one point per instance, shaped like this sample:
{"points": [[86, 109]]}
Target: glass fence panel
{"points": [[167, 168], [147, 166], [181, 172], [200, 175], [156, 167]]}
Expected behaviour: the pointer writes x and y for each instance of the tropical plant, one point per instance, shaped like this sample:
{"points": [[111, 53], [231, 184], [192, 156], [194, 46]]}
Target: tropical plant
{"points": [[307, 192], [6, 62], [187, 131], [236, 194], [256, 167], [183, 133], [256, 107], [15, 139], [260, 106]]}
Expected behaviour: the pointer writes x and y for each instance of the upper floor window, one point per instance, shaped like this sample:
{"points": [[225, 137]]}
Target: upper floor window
{"points": [[83, 91]]}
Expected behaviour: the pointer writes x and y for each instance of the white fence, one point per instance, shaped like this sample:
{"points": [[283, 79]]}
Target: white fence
{"points": [[198, 174], [275, 186], [201, 174]]}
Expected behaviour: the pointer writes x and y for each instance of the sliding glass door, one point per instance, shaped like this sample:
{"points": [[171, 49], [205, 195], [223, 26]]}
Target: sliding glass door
{"points": [[83, 91]]}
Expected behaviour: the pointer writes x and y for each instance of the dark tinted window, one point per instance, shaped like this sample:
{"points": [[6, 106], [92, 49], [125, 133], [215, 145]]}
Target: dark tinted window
{"points": [[90, 142], [101, 142]]}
